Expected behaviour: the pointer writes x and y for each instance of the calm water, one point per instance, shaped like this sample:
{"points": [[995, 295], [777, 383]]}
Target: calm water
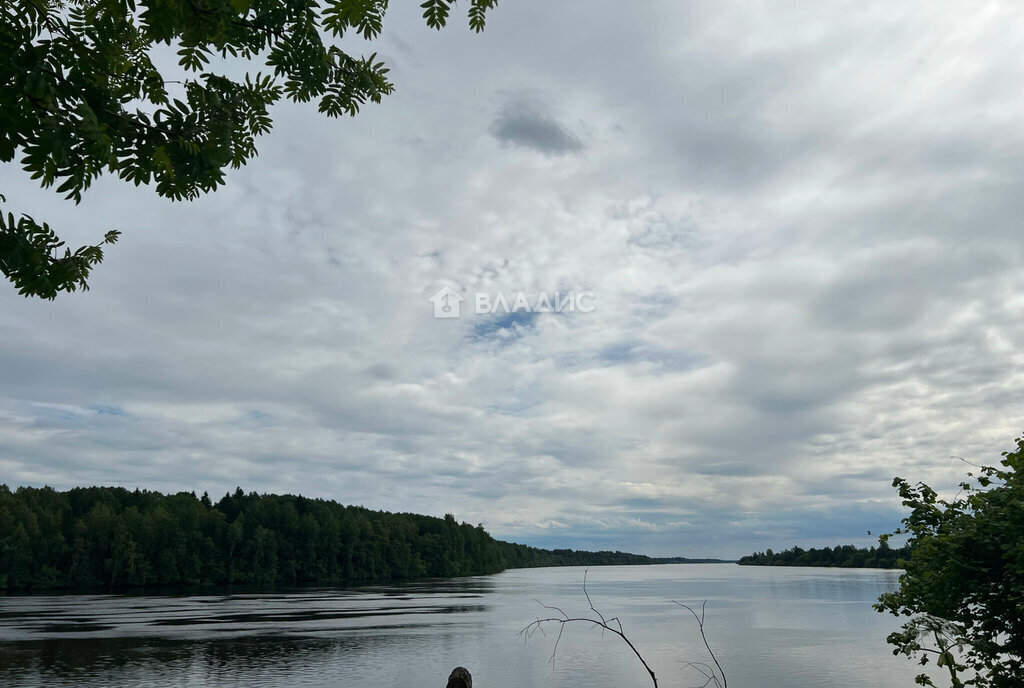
{"points": [[771, 627]]}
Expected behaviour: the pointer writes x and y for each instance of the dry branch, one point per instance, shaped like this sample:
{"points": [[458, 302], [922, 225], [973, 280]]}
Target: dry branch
{"points": [[713, 675]]}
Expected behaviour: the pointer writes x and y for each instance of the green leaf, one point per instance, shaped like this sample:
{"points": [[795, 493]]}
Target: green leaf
{"points": [[82, 95]]}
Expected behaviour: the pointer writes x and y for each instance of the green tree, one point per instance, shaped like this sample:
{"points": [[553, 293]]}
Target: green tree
{"points": [[964, 584], [81, 94]]}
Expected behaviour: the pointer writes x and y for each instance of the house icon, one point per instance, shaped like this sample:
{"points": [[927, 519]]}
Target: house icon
{"points": [[446, 303]]}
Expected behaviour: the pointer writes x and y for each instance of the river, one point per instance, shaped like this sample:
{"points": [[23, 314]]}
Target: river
{"points": [[770, 627]]}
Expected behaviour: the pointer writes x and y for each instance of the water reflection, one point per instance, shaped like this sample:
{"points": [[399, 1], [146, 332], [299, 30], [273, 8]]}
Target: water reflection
{"points": [[297, 610], [773, 627]]}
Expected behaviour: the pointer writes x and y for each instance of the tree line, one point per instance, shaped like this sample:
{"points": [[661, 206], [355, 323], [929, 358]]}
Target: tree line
{"points": [[844, 556], [111, 537]]}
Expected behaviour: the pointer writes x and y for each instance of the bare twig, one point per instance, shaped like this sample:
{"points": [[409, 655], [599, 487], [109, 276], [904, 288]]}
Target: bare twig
{"points": [[969, 463], [599, 622], [713, 676]]}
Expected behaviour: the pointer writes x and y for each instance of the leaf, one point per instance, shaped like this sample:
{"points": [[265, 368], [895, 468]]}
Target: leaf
{"points": [[88, 98]]}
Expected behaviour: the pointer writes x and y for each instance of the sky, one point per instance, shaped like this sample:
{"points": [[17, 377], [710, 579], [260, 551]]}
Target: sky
{"points": [[796, 230]]}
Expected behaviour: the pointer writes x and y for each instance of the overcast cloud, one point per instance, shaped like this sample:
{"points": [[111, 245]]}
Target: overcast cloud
{"points": [[801, 225]]}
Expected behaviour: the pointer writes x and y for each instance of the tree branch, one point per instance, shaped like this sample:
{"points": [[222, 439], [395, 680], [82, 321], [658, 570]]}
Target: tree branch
{"points": [[700, 624], [713, 675], [600, 622]]}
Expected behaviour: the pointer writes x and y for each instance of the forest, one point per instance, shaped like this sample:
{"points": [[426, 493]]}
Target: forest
{"points": [[844, 556], [113, 538]]}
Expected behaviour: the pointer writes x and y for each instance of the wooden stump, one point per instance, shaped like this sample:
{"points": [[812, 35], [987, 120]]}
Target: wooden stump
{"points": [[460, 678]]}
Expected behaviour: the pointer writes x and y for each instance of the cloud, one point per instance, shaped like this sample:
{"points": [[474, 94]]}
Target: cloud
{"points": [[525, 125], [801, 233]]}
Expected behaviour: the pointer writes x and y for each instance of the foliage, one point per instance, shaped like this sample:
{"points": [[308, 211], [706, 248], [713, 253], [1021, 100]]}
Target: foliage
{"points": [[845, 556], [111, 537], [29, 257], [964, 585], [81, 93]]}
